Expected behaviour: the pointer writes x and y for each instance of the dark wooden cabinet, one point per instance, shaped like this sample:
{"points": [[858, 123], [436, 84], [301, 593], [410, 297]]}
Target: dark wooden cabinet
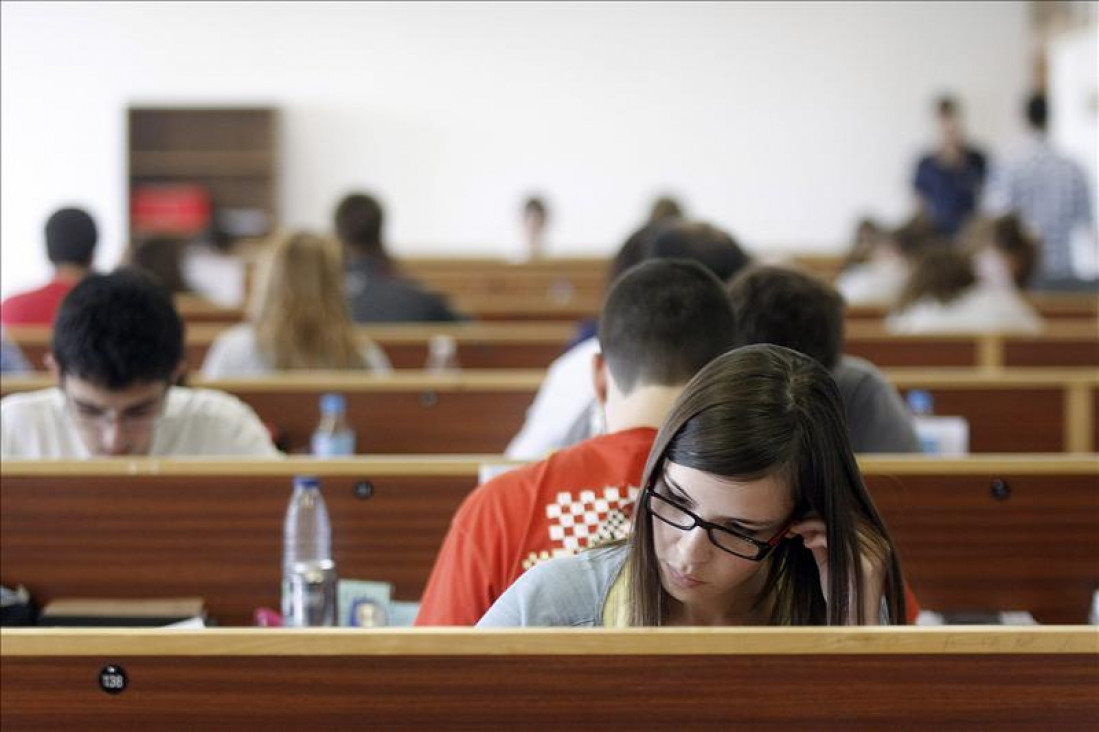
{"points": [[231, 154]]}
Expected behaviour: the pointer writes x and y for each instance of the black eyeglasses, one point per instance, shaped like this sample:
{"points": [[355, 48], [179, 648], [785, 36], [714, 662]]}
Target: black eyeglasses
{"points": [[722, 537]]}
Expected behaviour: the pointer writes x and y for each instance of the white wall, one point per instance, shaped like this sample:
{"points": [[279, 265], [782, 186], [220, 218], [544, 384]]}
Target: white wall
{"points": [[782, 122]]}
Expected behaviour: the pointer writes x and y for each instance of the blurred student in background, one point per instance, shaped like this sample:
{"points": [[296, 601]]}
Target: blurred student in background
{"points": [[535, 221], [298, 317], [949, 180], [161, 259], [1050, 194], [377, 291], [880, 260], [945, 295], [117, 351], [71, 236], [1005, 252]]}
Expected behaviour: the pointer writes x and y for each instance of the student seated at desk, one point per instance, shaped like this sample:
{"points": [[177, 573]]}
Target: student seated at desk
{"points": [[117, 349], [944, 294], [299, 318], [792, 309], [663, 320], [752, 512]]}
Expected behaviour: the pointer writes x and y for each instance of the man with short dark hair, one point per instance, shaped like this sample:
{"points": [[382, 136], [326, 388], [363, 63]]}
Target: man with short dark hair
{"points": [[376, 291], [663, 321], [564, 410], [117, 349], [792, 309], [948, 180], [1049, 192], [71, 237]]}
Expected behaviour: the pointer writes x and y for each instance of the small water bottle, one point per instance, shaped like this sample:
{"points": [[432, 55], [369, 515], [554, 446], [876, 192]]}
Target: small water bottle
{"points": [[333, 436], [308, 572], [920, 401], [442, 355]]}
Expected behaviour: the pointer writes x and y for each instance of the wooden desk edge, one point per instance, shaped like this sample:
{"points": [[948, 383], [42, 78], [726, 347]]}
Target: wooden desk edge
{"points": [[980, 640], [470, 464]]}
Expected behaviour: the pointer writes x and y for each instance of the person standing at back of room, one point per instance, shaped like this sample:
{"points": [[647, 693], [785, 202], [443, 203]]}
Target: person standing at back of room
{"points": [[1050, 194], [71, 236], [378, 293], [949, 180]]}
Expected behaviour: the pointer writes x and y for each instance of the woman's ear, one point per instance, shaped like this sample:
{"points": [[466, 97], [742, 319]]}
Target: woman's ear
{"points": [[51, 365]]}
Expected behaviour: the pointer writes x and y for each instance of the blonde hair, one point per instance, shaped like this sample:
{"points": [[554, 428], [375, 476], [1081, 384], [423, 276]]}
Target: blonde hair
{"points": [[300, 311]]}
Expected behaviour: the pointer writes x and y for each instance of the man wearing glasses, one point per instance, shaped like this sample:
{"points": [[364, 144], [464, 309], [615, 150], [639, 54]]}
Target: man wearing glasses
{"points": [[117, 349]]}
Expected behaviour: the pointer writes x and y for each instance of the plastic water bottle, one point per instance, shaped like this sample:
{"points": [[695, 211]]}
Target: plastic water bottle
{"points": [[442, 355], [333, 436], [308, 572], [922, 405]]}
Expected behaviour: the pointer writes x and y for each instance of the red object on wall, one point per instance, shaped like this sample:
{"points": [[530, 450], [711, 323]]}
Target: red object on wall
{"points": [[170, 209]]}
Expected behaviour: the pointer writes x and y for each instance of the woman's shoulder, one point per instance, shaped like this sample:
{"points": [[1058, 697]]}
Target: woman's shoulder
{"points": [[568, 591], [234, 352]]}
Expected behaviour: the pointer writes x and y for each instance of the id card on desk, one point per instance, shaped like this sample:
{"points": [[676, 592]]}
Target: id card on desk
{"points": [[362, 603]]}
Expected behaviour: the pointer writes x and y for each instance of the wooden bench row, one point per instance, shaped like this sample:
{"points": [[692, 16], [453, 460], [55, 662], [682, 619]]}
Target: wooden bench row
{"points": [[989, 533], [493, 284], [480, 411], [659, 679], [536, 345]]}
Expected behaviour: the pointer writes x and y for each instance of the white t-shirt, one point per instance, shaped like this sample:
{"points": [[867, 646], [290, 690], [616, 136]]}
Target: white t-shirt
{"points": [[877, 282], [982, 308], [235, 353], [564, 397], [196, 422]]}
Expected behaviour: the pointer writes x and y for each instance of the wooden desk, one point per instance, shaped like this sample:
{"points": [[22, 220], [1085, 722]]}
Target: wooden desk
{"points": [[534, 345], [998, 532], [832, 678]]}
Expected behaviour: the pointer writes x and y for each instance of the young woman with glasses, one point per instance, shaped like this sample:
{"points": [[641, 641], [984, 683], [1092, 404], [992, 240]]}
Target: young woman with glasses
{"points": [[752, 512]]}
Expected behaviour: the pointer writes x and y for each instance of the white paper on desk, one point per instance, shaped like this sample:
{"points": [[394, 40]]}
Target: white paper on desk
{"points": [[942, 435], [188, 624]]}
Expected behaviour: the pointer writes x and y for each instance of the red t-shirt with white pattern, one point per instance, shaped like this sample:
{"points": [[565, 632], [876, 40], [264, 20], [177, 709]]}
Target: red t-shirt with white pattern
{"points": [[577, 497]]}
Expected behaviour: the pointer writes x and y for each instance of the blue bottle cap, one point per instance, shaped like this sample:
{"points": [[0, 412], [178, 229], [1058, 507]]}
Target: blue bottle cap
{"points": [[333, 403], [306, 481], [920, 401]]}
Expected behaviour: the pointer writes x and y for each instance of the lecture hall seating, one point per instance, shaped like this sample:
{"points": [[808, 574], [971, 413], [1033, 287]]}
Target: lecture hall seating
{"points": [[980, 533], [479, 411], [534, 345]]}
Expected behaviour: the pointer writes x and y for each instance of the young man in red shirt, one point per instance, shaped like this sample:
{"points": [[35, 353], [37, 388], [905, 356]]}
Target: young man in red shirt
{"points": [[71, 237], [663, 320]]}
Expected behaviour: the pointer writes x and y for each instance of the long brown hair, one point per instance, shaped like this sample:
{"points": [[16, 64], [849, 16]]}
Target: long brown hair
{"points": [[766, 410], [941, 273], [300, 312]]}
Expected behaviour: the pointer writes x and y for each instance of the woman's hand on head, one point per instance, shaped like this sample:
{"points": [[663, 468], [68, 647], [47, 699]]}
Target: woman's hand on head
{"points": [[814, 535]]}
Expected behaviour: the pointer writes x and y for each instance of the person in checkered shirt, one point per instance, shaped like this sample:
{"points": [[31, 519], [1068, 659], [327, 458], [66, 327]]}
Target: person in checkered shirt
{"points": [[662, 322], [1049, 191]]}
